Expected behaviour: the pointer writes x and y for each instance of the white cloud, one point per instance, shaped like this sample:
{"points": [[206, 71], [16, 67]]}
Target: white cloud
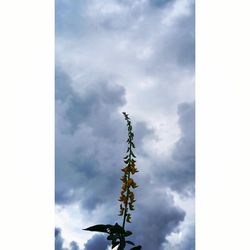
{"points": [[177, 240], [70, 219]]}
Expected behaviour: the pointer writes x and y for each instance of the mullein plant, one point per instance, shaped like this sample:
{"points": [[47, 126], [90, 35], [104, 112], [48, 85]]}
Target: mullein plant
{"points": [[116, 233]]}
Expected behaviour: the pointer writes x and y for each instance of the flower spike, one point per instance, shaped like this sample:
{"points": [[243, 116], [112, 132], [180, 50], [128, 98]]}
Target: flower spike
{"points": [[127, 196]]}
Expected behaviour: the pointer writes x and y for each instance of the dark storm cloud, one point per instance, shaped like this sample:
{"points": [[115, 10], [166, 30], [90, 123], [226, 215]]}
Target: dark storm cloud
{"points": [[175, 49], [90, 147], [91, 132], [68, 17], [156, 217], [99, 99], [179, 171], [63, 85], [160, 3], [135, 42], [139, 23], [183, 44], [59, 240], [185, 41], [184, 152], [74, 246], [189, 241], [98, 241], [89, 157]]}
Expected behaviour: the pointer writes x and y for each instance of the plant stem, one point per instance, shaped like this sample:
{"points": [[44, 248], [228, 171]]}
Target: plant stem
{"points": [[126, 206]]}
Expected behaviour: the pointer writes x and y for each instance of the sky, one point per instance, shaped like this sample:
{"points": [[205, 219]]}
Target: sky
{"points": [[138, 57]]}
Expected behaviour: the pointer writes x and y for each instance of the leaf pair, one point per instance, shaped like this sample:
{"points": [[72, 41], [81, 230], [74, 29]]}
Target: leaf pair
{"points": [[116, 233]]}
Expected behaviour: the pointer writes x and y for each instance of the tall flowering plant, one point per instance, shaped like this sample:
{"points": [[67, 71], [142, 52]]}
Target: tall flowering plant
{"points": [[116, 233], [127, 197]]}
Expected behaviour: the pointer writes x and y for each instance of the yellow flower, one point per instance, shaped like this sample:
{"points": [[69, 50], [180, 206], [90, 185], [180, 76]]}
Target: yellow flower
{"points": [[126, 170], [134, 169], [124, 179], [131, 195], [122, 198], [127, 197], [131, 183]]}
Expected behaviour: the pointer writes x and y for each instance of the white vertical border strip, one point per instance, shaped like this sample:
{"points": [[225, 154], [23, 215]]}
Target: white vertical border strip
{"points": [[222, 125], [27, 124]]}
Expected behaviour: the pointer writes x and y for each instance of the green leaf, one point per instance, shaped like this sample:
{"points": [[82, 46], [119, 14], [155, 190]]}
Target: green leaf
{"points": [[132, 153], [122, 244], [136, 248], [113, 237], [117, 229], [115, 243], [98, 228], [130, 242], [127, 233], [126, 161]]}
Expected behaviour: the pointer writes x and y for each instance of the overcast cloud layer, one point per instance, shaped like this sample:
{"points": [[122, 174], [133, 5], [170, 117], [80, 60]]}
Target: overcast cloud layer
{"points": [[138, 57]]}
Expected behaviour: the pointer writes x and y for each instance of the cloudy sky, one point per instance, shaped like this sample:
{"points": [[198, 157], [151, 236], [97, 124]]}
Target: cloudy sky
{"points": [[135, 56]]}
